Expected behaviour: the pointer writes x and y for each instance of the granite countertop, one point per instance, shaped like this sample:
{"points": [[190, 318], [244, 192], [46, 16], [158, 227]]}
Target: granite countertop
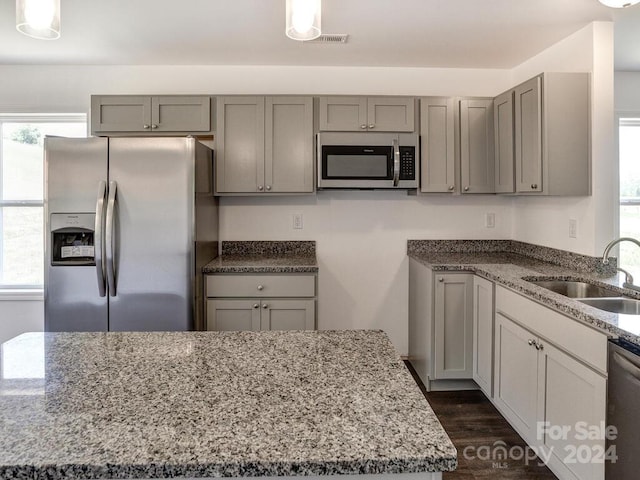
{"points": [[211, 404], [265, 257], [519, 262]]}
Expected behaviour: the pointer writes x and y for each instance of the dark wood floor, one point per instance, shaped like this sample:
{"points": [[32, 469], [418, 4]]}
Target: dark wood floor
{"points": [[473, 422]]}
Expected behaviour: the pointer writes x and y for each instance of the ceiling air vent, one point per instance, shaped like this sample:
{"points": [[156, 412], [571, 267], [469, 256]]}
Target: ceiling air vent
{"points": [[330, 38]]}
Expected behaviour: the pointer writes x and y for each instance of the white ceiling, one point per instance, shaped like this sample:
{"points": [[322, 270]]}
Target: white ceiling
{"points": [[414, 33]]}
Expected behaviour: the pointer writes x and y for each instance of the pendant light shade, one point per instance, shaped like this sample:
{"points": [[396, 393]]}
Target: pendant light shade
{"points": [[303, 19], [619, 3], [38, 18]]}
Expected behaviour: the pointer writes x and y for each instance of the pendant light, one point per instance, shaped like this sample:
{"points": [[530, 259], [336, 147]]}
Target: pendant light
{"points": [[38, 18], [619, 3], [303, 19]]}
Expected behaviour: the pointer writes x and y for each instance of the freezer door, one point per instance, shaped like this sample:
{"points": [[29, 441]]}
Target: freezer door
{"points": [[151, 255], [74, 170]]}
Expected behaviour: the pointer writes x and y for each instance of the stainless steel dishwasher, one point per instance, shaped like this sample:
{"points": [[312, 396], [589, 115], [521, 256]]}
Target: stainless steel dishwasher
{"points": [[623, 409]]}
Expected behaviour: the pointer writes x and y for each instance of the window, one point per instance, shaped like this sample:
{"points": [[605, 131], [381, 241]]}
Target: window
{"points": [[22, 191], [629, 154]]}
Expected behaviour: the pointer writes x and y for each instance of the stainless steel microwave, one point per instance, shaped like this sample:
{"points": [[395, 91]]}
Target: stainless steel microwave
{"points": [[368, 160]]}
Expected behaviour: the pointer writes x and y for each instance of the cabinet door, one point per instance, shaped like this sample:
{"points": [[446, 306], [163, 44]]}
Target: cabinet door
{"points": [[239, 145], [477, 160], [503, 131], [126, 113], [390, 114], [288, 314], [231, 315], [483, 334], [343, 114], [573, 396], [180, 114], [528, 136], [437, 145], [516, 376], [453, 315], [289, 144]]}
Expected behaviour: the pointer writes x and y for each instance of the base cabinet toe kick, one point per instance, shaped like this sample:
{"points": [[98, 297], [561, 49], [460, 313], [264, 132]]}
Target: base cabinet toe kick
{"points": [[546, 373]]}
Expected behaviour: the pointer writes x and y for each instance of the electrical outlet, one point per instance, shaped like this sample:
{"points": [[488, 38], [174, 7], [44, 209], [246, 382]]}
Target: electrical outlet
{"points": [[490, 220], [297, 221], [573, 228]]}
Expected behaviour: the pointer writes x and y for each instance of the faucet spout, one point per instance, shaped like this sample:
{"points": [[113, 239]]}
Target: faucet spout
{"points": [[612, 243]]}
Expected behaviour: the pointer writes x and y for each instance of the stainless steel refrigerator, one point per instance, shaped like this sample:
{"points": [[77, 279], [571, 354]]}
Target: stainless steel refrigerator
{"points": [[129, 224]]}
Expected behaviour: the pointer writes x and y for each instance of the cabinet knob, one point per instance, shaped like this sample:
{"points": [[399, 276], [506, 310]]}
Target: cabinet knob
{"points": [[265, 306], [146, 127], [466, 189], [363, 127], [154, 126], [539, 346], [260, 187], [268, 187], [441, 279], [534, 186], [371, 125], [450, 187], [256, 305], [260, 287], [530, 342]]}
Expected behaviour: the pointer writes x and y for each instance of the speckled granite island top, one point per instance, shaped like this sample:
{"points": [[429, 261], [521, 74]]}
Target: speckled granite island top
{"points": [[265, 257], [511, 263], [211, 404]]}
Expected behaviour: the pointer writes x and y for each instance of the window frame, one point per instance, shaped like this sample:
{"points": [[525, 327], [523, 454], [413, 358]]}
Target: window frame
{"points": [[28, 291]]}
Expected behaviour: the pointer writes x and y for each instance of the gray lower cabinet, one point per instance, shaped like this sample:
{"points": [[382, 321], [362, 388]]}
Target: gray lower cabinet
{"points": [[261, 302], [483, 321], [373, 114], [264, 145], [441, 327], [453, 323], [457, 145], [163, 114], [551, 118]]}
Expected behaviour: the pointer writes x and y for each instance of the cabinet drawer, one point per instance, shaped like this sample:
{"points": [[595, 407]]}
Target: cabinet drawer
{"points": [[583, 342], [261, 286]]}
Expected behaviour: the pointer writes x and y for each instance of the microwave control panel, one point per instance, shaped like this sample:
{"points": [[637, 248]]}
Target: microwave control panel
{"points": [[407, 163]]}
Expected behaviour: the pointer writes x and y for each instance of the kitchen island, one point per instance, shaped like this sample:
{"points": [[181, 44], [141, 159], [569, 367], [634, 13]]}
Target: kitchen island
{"points": [[214, 404]]}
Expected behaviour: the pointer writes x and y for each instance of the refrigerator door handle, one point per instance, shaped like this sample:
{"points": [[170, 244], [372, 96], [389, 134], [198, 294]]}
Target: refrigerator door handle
{"points": [[98, 240], [109, 227]]}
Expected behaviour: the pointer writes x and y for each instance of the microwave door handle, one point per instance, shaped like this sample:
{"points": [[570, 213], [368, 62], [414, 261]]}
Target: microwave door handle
{"points": [[396, 162]]}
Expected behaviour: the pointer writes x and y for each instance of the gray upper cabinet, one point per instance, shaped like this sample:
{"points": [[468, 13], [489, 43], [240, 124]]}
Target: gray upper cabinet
{"points": [[135, 114], [477, 159], [528, 136], [552, 135], [504, 153], [437, 151], [264, 145], [378, 114]]}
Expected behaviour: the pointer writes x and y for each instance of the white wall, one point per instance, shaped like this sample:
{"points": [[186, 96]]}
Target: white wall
{"points": [[545, 220], [19, 316], [627, 88], [361, 235]]}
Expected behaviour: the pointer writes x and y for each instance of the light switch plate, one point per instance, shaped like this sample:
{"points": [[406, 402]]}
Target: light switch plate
{"points": [[297, 221], [490, 220]]}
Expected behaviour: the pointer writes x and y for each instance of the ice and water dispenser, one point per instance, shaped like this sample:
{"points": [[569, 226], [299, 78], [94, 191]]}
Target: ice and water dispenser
{"points": [[72, 239]]}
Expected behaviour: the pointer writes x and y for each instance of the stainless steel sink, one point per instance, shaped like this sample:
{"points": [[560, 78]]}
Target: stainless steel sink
{"points": [[628, 306], [575, 289]]}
